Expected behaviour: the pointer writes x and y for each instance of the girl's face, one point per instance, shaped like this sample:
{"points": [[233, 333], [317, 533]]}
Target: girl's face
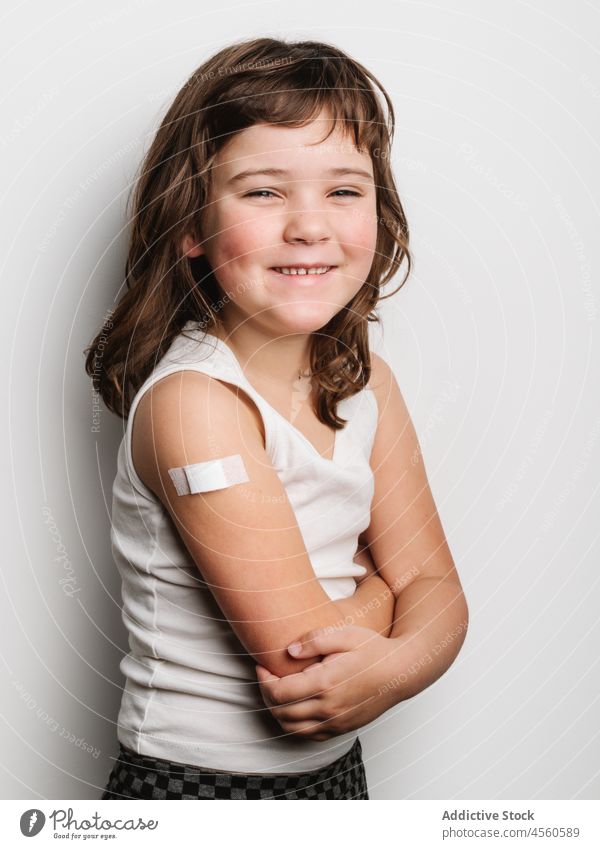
{"points": [[312, 206]]}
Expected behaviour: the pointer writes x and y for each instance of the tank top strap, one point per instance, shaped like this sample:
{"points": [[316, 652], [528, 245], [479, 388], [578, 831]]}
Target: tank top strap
{"points": [[220, 362]]}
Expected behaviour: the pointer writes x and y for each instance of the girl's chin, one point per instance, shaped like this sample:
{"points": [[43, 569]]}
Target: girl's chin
{"points": [[302, 318]]}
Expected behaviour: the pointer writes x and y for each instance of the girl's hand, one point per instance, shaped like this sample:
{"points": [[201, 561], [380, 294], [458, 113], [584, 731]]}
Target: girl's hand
{"points": [[343, 692]]}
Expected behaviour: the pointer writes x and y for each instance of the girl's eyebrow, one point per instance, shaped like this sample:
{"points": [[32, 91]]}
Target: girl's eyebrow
{"points": [[282, 172]]}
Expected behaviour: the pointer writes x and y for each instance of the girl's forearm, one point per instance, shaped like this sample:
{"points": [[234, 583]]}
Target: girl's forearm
{"points": [[430, 624], [371, 606]]}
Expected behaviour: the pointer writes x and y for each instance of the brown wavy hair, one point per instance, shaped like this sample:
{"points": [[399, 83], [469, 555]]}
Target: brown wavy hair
{"points": [[251, 81]]}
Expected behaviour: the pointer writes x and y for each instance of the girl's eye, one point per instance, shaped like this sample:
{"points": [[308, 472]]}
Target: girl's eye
{"points": [[347, 192], [339, 192], [258, 192]]}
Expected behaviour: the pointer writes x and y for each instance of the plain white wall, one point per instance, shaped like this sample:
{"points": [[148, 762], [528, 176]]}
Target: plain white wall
{"points": [[492, 341]]}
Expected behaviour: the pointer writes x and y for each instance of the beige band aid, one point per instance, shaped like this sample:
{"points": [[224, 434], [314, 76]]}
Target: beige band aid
{"points": [[210, 475]]}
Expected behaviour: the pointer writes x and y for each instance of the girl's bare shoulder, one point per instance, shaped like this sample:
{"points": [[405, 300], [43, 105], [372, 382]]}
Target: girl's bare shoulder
{"points": [[381, 379], [178, 399]]}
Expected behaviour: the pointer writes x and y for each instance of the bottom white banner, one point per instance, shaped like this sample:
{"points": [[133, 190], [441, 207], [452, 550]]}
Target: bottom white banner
{"points": [[414, 824]]}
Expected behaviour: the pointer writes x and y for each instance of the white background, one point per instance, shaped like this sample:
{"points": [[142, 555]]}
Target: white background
{"points": [[491, 339]]}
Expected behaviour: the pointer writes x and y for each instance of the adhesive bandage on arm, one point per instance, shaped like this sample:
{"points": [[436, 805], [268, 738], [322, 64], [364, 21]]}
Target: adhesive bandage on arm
{"points": [[209, 475]]}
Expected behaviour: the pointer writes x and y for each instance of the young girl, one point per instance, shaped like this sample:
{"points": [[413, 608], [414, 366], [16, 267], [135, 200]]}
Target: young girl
{"points": [[269, 487]]}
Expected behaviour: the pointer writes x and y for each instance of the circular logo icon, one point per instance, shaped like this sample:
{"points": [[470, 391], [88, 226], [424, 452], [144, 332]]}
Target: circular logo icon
{"points": [[32, 822]]}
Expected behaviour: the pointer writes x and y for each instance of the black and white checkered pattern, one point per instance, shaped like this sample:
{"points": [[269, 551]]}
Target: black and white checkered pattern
{"points": [[141, 777]]}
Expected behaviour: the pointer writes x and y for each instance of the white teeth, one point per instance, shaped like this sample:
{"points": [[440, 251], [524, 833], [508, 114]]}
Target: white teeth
{"points": [[321, 270]]}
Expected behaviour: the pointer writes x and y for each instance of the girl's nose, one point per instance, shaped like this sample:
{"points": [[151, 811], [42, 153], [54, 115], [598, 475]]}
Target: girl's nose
{"points": [[306, 225]]}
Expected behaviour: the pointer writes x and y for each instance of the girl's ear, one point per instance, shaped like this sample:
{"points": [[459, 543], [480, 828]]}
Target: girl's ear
{"points": [[190, 247]]}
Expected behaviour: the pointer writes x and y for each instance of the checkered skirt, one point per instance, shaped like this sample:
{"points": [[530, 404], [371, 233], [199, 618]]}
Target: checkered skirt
{"points": [[136, 776]]}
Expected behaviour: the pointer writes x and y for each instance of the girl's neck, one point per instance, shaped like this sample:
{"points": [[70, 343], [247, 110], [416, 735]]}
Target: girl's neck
{"points": [[280, 360]]}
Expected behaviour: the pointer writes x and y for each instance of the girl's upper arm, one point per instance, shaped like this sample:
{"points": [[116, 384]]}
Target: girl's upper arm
{"points": [[405, 534], [244, 538]]}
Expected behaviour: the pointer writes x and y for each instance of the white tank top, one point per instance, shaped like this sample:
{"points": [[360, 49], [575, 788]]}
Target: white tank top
{"points": [[191, 693]]}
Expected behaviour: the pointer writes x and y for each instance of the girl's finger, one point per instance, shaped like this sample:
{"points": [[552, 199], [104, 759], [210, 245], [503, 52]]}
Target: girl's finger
{"points": [[309, 710], [263, 675], [327, 640], [303, 685], [310, 730]]}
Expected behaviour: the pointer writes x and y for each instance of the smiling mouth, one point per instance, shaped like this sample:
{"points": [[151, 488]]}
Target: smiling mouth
{"points": [[308, 271]]}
